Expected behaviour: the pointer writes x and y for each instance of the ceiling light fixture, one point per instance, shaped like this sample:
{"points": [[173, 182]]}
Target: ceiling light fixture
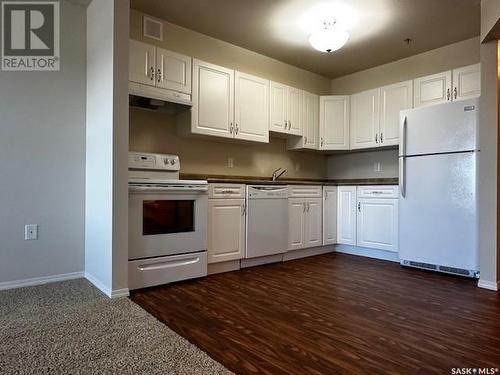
{"points": [[329, 38]]}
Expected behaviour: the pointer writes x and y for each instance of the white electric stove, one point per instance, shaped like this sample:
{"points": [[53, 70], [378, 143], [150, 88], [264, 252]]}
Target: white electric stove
{"points": [[167, 222]]}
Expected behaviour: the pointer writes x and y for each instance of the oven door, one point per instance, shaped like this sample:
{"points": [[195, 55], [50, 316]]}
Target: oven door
{"points": [[166, 222]]}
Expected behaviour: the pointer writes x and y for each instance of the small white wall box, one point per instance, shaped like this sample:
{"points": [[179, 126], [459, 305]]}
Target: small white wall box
{"points": [[152, 28]]}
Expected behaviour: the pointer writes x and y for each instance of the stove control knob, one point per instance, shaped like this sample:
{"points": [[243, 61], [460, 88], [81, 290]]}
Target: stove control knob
{"points": [[165, 161], [173, 161]]}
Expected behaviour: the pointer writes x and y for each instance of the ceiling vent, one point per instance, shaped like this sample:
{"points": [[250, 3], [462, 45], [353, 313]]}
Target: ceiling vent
{"points": [[152, 28]]}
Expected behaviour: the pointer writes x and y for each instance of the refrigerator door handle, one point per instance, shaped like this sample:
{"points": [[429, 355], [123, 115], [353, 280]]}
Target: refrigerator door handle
{"points": [[403, 137], [402, 172]]}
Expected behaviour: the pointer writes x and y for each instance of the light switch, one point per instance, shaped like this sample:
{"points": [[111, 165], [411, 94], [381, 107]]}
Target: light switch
{"points": [[230, 162], [31, 232], [376, 166]]}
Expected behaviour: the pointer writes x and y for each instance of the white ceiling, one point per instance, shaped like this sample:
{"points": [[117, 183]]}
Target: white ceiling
{"points": [[280, 28]]}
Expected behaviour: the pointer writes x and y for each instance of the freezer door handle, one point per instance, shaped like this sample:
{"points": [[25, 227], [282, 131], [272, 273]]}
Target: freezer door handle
{"points": [[402, 172], [403, 137]]}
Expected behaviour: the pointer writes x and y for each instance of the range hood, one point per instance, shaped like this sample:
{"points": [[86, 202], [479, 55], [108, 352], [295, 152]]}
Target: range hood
{"points": [[157, 99]]}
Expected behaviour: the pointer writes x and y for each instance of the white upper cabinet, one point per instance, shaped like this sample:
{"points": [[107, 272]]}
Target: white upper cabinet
{"points": [[294, 111], [278, 107], [310, 124], [213, 100], [365, 119], [334, 122], [173, 71], [467, 82], [433, 89], [226, 229], [393, 99], [329, 215], [142, 63], [285, 109], [251, 108], [346, 215]]}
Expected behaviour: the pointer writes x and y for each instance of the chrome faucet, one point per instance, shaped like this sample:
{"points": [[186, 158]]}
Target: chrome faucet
{"points": [[278, 173]]}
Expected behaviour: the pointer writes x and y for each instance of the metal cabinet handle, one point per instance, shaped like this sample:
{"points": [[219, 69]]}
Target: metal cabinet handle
{"points": [[359, 206], [158, 76], [322, 142], [152, 73], [304, 208], [305, 139], [244, 211], [308, 206], [455, 92], [326, 195], [448, 94], [231, 128], [381, 137], [286, 124], [289, 125], [237, 129], [376, 138]]}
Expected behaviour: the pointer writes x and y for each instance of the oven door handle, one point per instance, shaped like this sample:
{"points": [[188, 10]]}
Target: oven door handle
{"points": [[172, 189]]}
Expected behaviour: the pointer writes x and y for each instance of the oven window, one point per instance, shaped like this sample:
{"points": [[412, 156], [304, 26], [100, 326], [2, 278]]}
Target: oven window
{"points": [[167, 216]]}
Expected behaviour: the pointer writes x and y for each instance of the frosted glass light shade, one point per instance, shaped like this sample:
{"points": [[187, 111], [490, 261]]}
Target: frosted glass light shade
{"points": [[329, 40]]}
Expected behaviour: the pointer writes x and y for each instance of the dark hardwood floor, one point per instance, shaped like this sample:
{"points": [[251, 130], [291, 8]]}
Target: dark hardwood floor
{"points": [[334, 314]]}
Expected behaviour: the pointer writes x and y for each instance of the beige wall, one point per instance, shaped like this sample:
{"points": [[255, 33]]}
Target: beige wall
{"points": [[445, 58], [156, 132]]}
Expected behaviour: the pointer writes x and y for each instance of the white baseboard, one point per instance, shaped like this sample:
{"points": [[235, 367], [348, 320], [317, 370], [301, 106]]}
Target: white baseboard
{"points": [[40, 280], [370, 253], [104, 289], [252, 262], [490, 285]]}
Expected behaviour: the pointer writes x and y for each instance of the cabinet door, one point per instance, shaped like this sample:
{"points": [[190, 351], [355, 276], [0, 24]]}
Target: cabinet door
{"points": [[141, 63], [334, 122], [310, 121], [377, 223], [329, 215], [226, 229], [294, 111], [213, 100], [346, 215], [467, 82], [365, 119], [433, 89], [313, 222], [173, 71], [278, 107], [251, 108], [393, 99], [296, 223]]}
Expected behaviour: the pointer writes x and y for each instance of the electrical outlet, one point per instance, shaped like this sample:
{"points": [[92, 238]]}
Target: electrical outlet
{"points": [[230, 162], [31, 232], [376, 166]]}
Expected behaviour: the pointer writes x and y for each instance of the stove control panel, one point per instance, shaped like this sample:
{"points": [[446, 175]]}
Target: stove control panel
{"points": [[161, 162]]}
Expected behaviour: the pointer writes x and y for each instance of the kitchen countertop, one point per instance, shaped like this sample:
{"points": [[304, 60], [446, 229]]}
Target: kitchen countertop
{"points": [[287, 181]]}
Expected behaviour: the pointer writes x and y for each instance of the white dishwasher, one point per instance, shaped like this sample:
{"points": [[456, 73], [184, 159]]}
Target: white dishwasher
{"points": [[267, 220]]}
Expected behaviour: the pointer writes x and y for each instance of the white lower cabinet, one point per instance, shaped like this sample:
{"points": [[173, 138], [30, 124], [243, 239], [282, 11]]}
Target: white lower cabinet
{"points": [[226, 229], [377, 223], [329, 215], [305, 217], [346, 215], [296, 223]]}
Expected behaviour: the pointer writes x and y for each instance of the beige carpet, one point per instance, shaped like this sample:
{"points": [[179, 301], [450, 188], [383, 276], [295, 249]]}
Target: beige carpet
{"points": [[70, 328]]}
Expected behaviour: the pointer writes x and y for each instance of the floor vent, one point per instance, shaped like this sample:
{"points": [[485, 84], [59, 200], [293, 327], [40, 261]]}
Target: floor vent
{"points": [[423, 265], [457, 271]]}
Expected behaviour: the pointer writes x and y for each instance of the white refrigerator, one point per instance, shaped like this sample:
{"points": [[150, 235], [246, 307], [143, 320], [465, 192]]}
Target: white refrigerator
{"points": [[437, 177]]}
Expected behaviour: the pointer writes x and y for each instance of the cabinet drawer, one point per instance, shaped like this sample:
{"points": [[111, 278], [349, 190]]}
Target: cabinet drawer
{"points": [[305, 191], [378, 191], [226, 191]]}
